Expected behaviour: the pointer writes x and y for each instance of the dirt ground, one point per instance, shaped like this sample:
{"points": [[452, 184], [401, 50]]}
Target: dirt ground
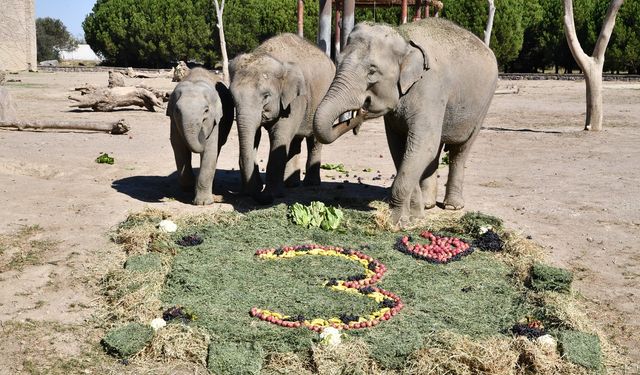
{"points": [[576, 193]]}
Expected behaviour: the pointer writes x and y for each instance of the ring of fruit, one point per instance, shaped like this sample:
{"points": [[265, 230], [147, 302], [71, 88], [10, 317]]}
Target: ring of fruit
{"points": [[389, 303], [439, 249]]}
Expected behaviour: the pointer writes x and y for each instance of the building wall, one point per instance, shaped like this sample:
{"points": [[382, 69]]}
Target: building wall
{"points": [[17, 35]]}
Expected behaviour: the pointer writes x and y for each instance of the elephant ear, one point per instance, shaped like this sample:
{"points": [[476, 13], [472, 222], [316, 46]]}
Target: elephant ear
{"points": [[413, 64], [293, 84], [172, 102], [225, 118]]}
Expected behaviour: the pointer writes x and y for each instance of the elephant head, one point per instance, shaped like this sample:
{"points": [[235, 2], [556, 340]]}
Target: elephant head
{"points": [[376, 68], [263, 89], [196, 108]]}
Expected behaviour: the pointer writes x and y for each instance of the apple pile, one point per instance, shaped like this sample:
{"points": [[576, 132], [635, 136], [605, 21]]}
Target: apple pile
{"points": [[439, 249], [389, 304]]}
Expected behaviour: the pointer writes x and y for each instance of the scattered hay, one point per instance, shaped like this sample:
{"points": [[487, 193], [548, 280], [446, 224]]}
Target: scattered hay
{"points": [[144, 263], [179, 342], [555, 279], [520, 253], [536, 359], [134, 295], [285, 363], [561, 312], [128, 340], [139, 231], [457, 354], [350, 357]]}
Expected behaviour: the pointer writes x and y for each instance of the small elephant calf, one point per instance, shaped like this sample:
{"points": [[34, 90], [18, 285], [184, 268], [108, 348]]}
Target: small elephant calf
{"points": [[201, 111]]}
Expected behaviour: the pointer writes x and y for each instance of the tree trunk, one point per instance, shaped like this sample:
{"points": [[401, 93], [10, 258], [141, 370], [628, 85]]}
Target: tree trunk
{"points": [[487, 31], [591, 66], [108, 99], [119, 127], [223, 43]]}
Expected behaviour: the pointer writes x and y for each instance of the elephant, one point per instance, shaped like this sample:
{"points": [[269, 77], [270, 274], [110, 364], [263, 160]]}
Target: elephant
{"points": [[201, 111], [433, 82], [278, 86]]}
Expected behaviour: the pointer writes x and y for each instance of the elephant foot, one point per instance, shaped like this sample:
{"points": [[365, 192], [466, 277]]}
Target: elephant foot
{"points": [[203, 199], [453, 203], [312, 180], [429, 205], [398, 219]]}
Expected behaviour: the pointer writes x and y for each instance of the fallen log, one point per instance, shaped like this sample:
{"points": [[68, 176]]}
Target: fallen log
{"points": [[507, 90], [107, 99], [120, 127]]}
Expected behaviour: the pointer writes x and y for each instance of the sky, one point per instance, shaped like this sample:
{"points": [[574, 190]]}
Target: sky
{"points": [[70, 12]]}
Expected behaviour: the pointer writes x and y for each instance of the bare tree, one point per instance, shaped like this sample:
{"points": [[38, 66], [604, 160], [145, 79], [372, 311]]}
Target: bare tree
{"points": [[592, 66], [223, 43], [487, 31]]}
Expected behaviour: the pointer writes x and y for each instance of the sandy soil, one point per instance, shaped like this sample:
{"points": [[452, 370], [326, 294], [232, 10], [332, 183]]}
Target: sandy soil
{"points": [[576, 193]]}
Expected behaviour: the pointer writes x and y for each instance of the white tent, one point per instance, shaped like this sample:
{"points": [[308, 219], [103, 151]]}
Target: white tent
{"points": [[82, 53]]}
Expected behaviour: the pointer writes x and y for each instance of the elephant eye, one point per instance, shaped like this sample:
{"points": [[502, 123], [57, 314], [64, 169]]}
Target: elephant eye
{"points": [[206, 109], [372, 74]]}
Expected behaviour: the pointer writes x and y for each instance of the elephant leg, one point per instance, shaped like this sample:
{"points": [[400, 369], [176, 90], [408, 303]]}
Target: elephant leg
{"points": [[429, 182], [411, 204], [420, 147], [182, 155], [314, 151], [458, 155], [278, 156], [208, 160], [292, 169]]}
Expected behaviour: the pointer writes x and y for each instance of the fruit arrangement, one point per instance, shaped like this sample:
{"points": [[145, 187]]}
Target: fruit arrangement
{"points": [[531, 328], [389, 303], [438, 250]]}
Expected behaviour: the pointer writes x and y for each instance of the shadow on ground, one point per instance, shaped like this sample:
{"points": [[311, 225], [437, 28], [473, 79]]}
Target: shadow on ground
{"points": [[155, 189]]}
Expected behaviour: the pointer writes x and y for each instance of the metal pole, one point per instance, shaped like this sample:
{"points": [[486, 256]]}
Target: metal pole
{"points": [[348, 20], [404, 11], [324, 27], [336, 42], [418, 7], [301, 18]]}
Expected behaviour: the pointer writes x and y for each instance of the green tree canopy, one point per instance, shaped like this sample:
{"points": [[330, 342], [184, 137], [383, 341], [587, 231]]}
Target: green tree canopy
{"points": [[152, 33], [51, 38]]}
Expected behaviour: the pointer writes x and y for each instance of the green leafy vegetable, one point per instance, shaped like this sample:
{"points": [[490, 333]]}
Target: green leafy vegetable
{"points": [[334, 167], [317, 214], [104, 158]]}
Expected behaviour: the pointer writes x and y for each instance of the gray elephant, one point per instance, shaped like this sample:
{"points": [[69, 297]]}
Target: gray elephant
{"points": [[433, 82], [201, 112], [278, 86]]}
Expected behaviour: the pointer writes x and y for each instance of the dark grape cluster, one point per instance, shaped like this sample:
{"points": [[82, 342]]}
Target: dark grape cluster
{"points": [[367, 290], [388, 302], [177, 312], [332, 282], [531, 332], [346, 318], [190, 240], [279, 251], [357, 277], [489, 241]]}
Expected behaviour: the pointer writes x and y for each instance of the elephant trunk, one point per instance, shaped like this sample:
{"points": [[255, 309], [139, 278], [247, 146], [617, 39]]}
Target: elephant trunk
{"points": [[344, 100], [192, 128], [249, 137]]}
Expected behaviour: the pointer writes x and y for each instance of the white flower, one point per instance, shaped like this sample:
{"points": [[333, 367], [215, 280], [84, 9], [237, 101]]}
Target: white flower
{"points": [[168, 226], [158, 323], [330, 336], [547, 343], [484, 230]]}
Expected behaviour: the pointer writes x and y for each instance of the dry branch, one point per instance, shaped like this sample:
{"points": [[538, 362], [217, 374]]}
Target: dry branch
{"points": [[107, 99], [120, 127]]}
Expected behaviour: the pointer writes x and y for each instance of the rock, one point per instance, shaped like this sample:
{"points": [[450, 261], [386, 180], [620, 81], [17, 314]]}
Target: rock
{"points": [[180, 71], [547, 343], [49, 63]]}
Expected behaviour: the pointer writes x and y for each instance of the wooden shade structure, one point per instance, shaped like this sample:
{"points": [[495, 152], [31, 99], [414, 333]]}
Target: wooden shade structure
{"points": [[345, 17]]}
